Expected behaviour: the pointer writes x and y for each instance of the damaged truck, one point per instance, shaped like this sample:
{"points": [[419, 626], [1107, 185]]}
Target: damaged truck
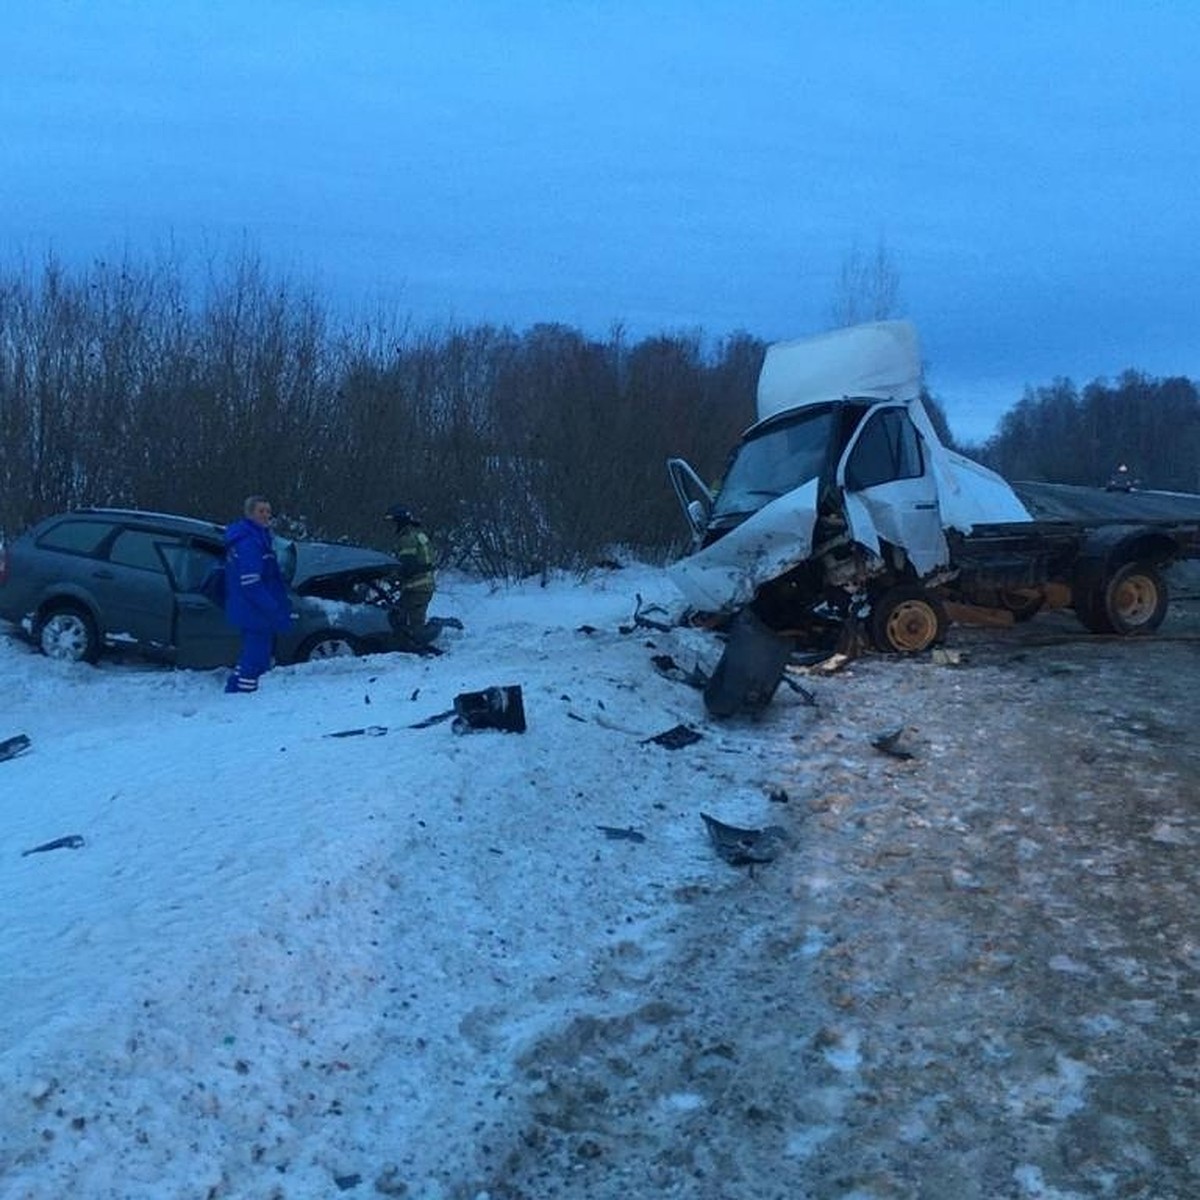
{"points": [[841, 509]]}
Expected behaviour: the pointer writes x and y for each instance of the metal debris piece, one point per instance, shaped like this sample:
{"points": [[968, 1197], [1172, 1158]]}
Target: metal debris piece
{"points": [[665, 665], [745, 847], [71, 842], [675, 738], [642, 621], [436, 719], [11, 747], [629, 835], [809, 698], [364, 731]]}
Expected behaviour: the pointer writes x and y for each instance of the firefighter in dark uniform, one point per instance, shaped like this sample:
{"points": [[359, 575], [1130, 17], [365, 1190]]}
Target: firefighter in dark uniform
{"points": [[416, 578]]}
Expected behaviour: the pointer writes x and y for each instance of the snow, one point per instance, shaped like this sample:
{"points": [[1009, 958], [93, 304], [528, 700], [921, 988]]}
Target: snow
{"points": [[285, 965], [283, 958]]}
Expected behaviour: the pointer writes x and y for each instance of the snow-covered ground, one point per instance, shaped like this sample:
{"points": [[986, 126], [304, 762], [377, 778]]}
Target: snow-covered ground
{"points": [[282, 958], [289, 965]]}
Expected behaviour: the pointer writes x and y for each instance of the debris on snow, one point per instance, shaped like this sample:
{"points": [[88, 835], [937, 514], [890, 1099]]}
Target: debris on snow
{"points": [[628, 834], [674, 738], [500, 708], [11, 747], [71, 842], [744, 847]]}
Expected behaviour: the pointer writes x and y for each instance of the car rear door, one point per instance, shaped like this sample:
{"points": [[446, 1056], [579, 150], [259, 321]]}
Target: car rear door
{"points": [[136, 593]]}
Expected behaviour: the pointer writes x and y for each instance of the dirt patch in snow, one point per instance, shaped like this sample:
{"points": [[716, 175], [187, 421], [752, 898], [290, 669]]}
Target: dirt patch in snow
{"points": [[974, 973]]}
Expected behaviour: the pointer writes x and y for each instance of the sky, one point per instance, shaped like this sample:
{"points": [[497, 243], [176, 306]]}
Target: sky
{"points": [[1030, 168]]}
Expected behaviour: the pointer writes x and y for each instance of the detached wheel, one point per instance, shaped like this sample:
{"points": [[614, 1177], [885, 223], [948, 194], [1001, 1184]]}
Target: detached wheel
{"points": [[329, 645], [907, 620], [68, 633], [1135, 599]]}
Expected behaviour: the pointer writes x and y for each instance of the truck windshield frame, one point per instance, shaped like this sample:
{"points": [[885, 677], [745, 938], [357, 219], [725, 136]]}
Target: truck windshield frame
{"points": [[774, 459]]}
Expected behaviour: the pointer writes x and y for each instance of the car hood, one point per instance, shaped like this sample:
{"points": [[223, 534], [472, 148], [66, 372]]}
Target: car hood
{"points": [[318, 562]]}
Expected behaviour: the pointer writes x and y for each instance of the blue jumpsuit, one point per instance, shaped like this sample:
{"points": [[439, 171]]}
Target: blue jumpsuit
{"points": [[256, 600]]}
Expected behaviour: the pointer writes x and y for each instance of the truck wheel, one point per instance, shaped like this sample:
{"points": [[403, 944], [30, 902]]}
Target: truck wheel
{"points": [[907, 620], [1134, 600]]}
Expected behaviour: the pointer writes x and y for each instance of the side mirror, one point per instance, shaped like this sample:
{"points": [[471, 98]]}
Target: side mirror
{"points": [[697, 514]]}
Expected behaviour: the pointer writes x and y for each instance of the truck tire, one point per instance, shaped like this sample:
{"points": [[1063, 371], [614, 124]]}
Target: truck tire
{"points": [[906, 620], [1132, 600]]}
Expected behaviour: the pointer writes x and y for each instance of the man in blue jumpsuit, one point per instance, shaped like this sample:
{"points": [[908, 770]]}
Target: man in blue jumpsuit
{"points": [[256, 597]]}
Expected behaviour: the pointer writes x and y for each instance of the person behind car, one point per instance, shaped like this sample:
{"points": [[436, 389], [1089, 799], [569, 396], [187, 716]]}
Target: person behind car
{"points": [[417, 582], [256, 597]]}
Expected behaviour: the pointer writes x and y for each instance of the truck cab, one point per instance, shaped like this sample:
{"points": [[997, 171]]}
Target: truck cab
{"points": [[840, 507], [841, 481]]}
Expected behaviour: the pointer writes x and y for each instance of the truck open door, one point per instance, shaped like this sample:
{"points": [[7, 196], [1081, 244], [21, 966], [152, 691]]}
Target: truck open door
{"points": [[889, 491]]}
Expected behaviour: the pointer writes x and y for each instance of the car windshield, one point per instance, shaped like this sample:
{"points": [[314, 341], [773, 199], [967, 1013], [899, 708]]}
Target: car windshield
{"points": [[774, 462]]}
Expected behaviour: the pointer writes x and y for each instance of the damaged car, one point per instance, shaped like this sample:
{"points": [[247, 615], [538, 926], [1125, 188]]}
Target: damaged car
{"points": [[98, 581]]}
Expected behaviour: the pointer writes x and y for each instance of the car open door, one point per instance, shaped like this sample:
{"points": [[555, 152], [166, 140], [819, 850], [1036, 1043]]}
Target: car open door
{"points": [[203, 637]]}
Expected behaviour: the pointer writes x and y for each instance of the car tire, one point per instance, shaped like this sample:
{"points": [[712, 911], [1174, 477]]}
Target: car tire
{"points": [[68, 633], [329, 644], [907, 620]]}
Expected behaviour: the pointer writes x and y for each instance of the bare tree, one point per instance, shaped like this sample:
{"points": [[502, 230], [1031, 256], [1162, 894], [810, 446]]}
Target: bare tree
{"points": [[868, 287]]}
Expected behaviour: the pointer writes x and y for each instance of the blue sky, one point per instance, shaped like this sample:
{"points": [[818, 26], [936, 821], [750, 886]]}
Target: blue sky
{"points": [[1032, 169]]}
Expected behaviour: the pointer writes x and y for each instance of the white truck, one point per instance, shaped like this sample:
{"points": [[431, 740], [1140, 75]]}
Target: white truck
{"points": [[841, 504]]}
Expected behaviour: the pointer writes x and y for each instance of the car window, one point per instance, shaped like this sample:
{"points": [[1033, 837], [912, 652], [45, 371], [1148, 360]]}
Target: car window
{"points": [[76, 537], [190, 563], [888, 449], [139, 548]]}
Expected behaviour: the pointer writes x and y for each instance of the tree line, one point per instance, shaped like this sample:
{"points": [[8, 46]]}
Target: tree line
{"points": [[1060, 434], [123, 385], [520, 451]]}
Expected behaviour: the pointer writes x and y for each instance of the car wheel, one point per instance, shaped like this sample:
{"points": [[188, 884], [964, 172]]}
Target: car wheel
{"points": [[329, 645], [907, 620], [68, 633]]}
